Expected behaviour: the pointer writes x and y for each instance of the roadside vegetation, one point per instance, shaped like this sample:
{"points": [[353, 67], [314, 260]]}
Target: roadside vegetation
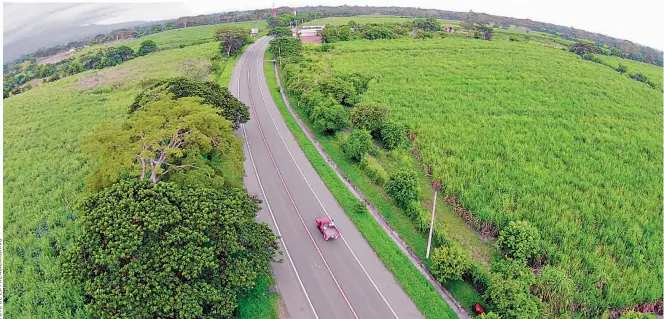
{"points": [[88, 155], [418, 288], [509, 140]]}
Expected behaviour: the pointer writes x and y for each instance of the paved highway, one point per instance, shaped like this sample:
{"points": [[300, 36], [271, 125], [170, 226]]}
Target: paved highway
{"points": [[340, 278]]}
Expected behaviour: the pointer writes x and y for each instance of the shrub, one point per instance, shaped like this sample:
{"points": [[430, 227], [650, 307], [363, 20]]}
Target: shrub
{"points": [[361, 207], [449, 262], [329, 119], [280, 32], [403, 187], [358, 144], [143, 247], [374, 170], [343, 91], [368, 116], [555, 288], [512, 299], [636, 315], [490, 315], [147, 47], [519, 240], [392, 134], [621, 68]]}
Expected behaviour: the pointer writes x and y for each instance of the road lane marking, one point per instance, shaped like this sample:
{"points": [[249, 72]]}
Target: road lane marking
{"points": [[317, 199], [269, 208], [295, 206]]}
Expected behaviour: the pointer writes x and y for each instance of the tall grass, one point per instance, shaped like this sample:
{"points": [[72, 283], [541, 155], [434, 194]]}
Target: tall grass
{"points": [[524, 131]]}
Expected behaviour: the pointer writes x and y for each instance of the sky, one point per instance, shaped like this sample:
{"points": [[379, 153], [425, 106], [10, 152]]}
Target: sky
{"points": [[635, 20]]}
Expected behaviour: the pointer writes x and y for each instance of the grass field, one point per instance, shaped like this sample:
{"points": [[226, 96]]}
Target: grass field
{"points": [[44, 172], [519, 130], [423, 294], [653, 73]]}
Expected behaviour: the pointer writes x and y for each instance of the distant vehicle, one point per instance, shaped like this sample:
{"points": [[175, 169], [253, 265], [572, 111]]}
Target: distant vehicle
{"points": [[327, 228]]}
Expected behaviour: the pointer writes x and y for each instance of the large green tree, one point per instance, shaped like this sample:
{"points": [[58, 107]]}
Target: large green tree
{"points": [[233, 38], [147, 47], [164, 251], [211, 93], [163, 138], [369, 116]]}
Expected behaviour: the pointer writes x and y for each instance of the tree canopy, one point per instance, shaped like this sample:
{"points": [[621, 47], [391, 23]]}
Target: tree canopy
{"points": [[211, 93], [147, 47], [164, 137], [165, 251], [233, 38]]}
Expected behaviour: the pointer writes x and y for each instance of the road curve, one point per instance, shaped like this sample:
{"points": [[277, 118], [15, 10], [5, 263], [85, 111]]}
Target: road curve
{"points": [[341, 278]]}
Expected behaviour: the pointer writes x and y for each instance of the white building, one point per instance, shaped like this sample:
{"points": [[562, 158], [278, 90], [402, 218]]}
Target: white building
{"points": [[254, 31]]}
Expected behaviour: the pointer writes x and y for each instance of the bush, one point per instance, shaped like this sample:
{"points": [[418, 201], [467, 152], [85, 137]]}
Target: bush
{"points": [[512, 299], [358, 144], [555, 288], [392, 134], [280, 32], [329, 119], [374, 170], [449, 262], [361, 207], [147, 47], [519, 240], [621, 68], [343, 91], [164, 251], [368, 116], [403, 187], [490, 315]]}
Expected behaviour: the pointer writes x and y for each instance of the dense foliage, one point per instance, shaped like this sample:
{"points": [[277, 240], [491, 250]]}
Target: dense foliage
{"points": [[147, 47], [519, 240], [166, 139], [393, 134], [149, 251], [449, 262], [358, 144], [211, 93], [329, 119], [288, 48], [233, 38], [403, 187], [280, 32], [368, 116]]}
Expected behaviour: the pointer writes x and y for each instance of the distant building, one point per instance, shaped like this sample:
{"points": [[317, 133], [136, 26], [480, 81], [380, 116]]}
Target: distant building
{"points": [[254, 31], [449, 29], [309, 33]]}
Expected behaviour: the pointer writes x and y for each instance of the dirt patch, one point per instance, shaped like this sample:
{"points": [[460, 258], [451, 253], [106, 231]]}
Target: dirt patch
{"points": [[54, 58], [94, 80]]}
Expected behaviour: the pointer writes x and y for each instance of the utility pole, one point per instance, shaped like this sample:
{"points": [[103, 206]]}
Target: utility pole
{"points": [[433, 214]]}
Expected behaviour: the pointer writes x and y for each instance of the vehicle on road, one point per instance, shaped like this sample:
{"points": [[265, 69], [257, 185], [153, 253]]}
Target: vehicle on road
{"points": [[327, 227]]}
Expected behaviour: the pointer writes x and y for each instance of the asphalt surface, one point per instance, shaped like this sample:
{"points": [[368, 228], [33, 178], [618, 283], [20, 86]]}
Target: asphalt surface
{"points": [[341, 278]]}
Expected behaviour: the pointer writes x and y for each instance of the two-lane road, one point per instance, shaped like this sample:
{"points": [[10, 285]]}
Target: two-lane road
{"points": [[341, 278]]}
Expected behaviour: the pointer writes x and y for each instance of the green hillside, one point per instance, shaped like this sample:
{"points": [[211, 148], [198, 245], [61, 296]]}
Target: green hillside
{"points": [[526, 131]]}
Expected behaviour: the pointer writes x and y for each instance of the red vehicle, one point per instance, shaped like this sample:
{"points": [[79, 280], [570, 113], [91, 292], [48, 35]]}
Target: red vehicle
{"points": [[327, 227], [478, 309]]}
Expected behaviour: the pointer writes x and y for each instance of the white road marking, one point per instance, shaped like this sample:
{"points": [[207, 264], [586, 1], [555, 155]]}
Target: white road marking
{"points": [[316, 196]]}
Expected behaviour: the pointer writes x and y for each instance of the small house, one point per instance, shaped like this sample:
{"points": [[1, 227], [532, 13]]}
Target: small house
{"points": [[254, 31], [449, 29]]}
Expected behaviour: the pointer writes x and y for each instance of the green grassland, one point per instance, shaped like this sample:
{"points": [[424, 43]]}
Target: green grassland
{"points": [[44, 172], [521, 130], [653, 73]]}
